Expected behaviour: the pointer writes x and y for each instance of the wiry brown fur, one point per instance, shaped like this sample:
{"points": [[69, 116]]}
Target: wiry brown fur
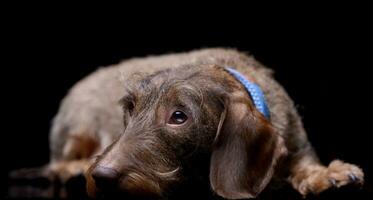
{"points": [[151, 157]]}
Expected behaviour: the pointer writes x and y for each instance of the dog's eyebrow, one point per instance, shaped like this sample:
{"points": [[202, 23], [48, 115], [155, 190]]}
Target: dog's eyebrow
{"points": [[151, 84], [147, 80]]}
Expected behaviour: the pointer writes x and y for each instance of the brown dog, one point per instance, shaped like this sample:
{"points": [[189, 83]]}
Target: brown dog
{"points": [[183, 117]]}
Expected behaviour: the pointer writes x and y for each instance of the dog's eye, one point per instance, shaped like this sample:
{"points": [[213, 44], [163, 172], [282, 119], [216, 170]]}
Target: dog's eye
{"points": [[178, 117]]}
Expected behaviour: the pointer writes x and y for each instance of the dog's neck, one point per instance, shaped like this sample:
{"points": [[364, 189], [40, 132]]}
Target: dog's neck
{"points": [[255, 92]]}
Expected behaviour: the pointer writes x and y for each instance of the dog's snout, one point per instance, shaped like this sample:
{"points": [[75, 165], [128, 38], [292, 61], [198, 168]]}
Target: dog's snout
{"points": [[105, 177]]}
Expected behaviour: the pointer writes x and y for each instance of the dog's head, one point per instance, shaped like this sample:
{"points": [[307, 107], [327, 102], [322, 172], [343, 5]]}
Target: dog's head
{"points": [[181, 120]]}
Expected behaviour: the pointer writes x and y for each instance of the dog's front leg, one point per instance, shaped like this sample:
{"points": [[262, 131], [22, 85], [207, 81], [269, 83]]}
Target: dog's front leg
{"points": [[309, 176]]}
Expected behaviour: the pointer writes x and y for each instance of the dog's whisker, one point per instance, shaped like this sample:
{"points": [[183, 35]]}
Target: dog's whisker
{"points": [[168, 174]]}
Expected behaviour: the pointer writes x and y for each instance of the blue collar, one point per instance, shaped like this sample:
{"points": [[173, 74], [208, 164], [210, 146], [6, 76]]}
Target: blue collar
{"points": [[256, 94]]}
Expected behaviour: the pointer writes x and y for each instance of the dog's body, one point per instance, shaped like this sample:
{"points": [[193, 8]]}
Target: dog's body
{"points": [[91, 120]]}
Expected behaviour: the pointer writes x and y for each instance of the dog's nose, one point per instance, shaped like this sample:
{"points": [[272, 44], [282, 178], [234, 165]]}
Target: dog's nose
{"points": [[105, 177]]}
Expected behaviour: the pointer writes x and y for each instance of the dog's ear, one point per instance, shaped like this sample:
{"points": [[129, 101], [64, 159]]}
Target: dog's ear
{"points": [[246, 151]]}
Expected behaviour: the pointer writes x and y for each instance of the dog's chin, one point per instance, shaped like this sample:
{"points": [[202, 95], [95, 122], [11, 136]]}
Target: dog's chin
{"points": [[135, 184]]}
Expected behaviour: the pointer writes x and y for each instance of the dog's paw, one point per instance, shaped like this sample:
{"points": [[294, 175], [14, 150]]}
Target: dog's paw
{"points": [[70, 169], [337, 174], [341, 174]]}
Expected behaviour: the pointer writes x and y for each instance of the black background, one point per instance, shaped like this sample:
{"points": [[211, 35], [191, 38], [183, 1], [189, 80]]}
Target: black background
{"points": [[322, 57]]}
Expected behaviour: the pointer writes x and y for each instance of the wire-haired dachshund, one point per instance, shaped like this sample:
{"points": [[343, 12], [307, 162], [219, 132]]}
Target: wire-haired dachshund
{"points": [[150, 126]]}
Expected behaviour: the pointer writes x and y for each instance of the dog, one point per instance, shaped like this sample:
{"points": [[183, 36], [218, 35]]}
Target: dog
{"points": [[149, 126]]}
